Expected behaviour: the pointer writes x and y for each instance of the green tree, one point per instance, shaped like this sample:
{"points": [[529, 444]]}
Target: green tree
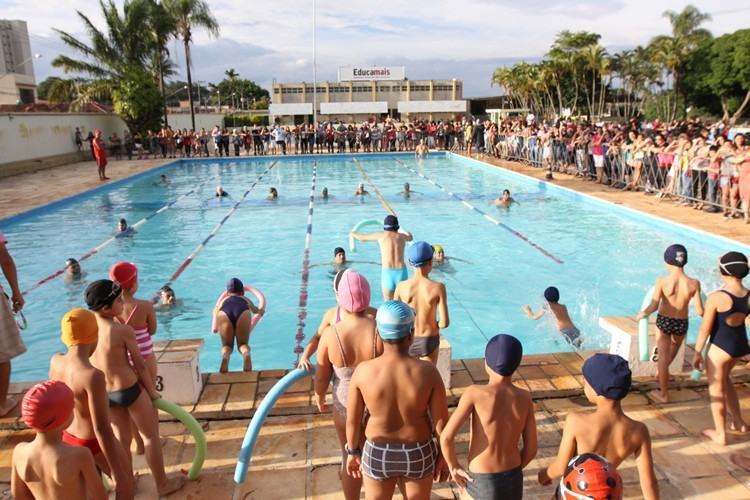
{"points": [[137, 100], [42, 90], [233, 89], [188, 15]]}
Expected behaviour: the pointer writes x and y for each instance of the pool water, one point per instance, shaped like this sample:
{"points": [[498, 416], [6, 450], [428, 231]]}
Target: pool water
{"points": [[610, 257]]}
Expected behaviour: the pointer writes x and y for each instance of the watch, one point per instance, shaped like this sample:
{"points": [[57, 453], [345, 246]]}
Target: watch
{"points": [[352, 451]]}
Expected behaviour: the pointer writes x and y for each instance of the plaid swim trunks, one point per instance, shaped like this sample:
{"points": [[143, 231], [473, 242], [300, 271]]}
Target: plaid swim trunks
{"points": [[390, 460]]}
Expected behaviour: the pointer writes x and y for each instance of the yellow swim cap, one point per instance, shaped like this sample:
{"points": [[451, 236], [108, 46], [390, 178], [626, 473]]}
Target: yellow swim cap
{"points": [[79, 328], [438, 248]]}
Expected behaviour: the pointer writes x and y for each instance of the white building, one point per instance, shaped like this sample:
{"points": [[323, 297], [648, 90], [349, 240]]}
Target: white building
{"points": [[17, 82]]}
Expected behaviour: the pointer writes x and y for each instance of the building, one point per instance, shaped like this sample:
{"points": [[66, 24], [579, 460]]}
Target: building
{"points": [[17, 82], [362, 93]]}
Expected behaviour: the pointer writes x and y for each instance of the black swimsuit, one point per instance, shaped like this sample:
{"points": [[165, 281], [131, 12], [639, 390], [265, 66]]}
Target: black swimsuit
{"points": [[124, 397], [233, 306], [732, 339]]}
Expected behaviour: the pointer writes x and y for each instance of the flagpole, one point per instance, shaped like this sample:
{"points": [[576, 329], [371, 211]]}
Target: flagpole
{"points": [[315, 72]]}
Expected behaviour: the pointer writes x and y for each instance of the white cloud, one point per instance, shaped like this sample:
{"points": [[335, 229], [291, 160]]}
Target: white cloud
{"points": [[458, 39]]}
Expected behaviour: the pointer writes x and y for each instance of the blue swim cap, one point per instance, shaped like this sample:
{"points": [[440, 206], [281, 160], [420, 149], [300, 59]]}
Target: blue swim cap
{"points": [[552, 294], [390, 223], [234, 285], [420, 253], [676, 255], [503, 354], [395, 320], [608, 374]]}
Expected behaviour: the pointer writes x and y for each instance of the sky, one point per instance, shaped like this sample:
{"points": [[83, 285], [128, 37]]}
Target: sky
{"points": [[438, 39]]}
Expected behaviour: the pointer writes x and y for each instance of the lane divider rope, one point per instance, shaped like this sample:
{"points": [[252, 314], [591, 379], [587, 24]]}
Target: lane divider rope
{"points": [[304, 280], [375, 188]]}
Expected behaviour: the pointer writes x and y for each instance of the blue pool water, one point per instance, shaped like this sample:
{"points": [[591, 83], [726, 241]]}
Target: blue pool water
{"points": [[610, 257]]}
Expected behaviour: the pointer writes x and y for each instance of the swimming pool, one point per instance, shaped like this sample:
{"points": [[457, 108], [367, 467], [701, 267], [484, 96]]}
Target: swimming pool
{"points": [[609, 255]]}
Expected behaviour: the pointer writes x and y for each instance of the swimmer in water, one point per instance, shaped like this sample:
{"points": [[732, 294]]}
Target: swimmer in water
{"points": [[422, 150], [166, 296], [340, 262], [560, 312], [220, 193], [123, 229], [440, 261], [273, 194], [506, 200], [163, 181], [361, 191], [407, 192], [324, 193], [72, 270]]}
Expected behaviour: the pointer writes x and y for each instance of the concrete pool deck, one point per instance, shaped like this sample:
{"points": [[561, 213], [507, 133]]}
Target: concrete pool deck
{"points": [[297, 453]]}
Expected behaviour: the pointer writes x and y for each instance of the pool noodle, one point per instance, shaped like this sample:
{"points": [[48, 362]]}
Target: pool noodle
{"points": [[643, 326], [696, 374], [195, 429], [256, 317], [359, 225]]}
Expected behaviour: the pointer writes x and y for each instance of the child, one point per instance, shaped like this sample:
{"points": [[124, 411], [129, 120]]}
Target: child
{"points": [[564, 323], [47, 467], [495, 461], [428, 298], [90, 427], [116, 349], [606, 431], [727, 310], [672, 296]]}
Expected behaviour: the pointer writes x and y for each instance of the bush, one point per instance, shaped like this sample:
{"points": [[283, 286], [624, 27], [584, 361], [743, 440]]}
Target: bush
{"points": [[244, 120]]}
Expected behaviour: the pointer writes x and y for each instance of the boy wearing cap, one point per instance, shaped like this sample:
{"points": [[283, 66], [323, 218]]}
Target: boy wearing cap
{"points": [[90, 427], [428, 298], [392, 243], [130, 389], [405, 399], [568, 330], [672, 296], [47, 467], [606, 431], [495, 462]]}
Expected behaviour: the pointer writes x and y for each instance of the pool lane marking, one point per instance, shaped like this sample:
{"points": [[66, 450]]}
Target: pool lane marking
{"points": [[302, 314], [375, 188], [213, 233], [480, 212], [102, 245]]}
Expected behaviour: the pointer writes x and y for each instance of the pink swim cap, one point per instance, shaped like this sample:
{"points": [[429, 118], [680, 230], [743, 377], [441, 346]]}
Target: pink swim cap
{"points": [[354, 291], [47, 406]]}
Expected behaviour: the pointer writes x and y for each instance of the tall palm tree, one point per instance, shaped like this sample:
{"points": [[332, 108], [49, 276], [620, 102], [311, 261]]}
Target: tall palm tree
{"points": [[188, 15], [162, 27], [594, 56]]}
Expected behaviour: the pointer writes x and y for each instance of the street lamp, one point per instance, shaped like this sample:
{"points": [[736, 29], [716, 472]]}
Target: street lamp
{"points": [[184, 87], [22, 63]]}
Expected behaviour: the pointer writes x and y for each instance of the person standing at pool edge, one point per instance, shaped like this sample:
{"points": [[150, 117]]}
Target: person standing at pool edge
{"points": [[672, 296], [99, 149], [11, 344], [392, 243]]}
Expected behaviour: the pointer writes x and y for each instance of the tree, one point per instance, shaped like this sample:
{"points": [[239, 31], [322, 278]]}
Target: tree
{"points": [[236, 88], [162, 26], [42, 90], [190, 14]]}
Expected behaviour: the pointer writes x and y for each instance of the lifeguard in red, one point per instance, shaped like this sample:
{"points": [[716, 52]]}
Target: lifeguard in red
{"points": [[100, 154]]}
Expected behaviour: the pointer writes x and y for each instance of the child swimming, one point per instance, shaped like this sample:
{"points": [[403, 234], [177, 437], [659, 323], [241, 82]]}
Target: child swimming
{"points": [[569, 331]]}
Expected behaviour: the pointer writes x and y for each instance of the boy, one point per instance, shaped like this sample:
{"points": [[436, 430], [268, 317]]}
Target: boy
{"points": [[46, 467], [672, 296], [90, 427], [606, 431], [428, 298], [126, 384], [560, 312], [501, 414]]}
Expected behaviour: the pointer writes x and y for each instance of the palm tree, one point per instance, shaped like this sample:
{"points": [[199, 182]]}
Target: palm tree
{"points": [[232, 76], [162, 26], [594, 56], [190, 14]]}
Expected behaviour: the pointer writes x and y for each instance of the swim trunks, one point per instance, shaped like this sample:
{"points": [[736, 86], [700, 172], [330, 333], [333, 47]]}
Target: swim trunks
{"points": [[92, 444], [507, 485], [125, 397], [389, 278], [573, 336], [423, 346], [390, 460], [672, 326]]}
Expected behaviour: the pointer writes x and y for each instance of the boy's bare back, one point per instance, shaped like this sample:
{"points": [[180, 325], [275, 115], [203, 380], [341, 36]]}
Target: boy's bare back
{"points": [[80, 379], [56, 473], [674, 293], [562, 318], [392, 249], [615, 437], [422, 295]]}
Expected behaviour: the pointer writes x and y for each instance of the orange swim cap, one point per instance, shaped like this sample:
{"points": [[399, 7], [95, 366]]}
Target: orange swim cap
{"points": [[79, 327], [47, 406], [125, 273]]}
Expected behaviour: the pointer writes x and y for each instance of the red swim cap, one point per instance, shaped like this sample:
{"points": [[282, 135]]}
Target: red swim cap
{"points": [[47, 406], [590, 476], [125, 273]]}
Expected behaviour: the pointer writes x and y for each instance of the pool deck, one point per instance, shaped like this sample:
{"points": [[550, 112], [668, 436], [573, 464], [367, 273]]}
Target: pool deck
{"points": [[297, 453]]}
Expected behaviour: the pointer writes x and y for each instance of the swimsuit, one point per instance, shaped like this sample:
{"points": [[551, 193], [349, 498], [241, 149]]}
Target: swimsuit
{"points": [[389, 278], [391, 460], [92, 444], [672, 326], [124, 397], [142, 337], [423, 346], [233, 306], [573, 336], [732, 339], [343, 375], [493, 485]]}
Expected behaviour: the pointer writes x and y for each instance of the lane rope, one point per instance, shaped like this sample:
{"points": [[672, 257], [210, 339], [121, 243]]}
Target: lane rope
{"points": [[302, 314], [375, 188], [480, 212], [102, 245], [215, 231]]}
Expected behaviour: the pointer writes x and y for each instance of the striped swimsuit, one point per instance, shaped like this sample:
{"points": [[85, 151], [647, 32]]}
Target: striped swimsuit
{"points": [[142, 337]]}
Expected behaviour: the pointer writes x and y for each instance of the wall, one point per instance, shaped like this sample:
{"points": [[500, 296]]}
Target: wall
{"points": [[202, 120]]}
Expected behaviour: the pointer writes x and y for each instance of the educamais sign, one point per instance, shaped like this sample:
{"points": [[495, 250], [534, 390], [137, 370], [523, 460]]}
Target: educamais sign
{"points": [[369, 73]]}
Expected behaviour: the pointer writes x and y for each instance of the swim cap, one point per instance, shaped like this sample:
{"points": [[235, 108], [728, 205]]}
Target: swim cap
{"points": [[125, 273], [590, 476], [390, 223], [234, 285], [733, 264], [395, 320], [503, 354], [69, 262], [438, 248], [353, 291], [676, 255], [552, 294], [123, 221], [406, 185], [338, 250], [420, 253], [101, 293], [608, 374], [79, 327], [47, 406]]}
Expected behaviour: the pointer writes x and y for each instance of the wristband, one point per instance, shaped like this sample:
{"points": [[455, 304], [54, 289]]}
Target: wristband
{"points": [[352, 452]]}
